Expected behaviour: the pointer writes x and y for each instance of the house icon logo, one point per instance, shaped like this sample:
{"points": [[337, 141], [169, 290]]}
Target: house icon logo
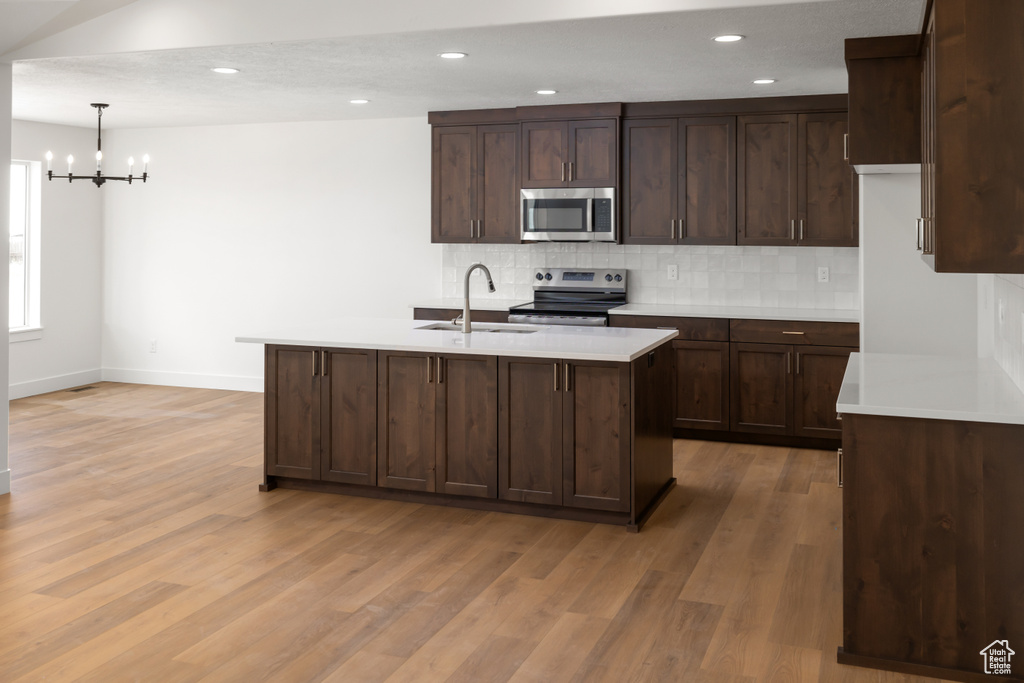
{"points": [[997, 657]]}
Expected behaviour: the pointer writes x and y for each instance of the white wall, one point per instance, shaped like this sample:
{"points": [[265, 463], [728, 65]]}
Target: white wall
{"points": [[68, 354], [243, 228], [1004, 321], [5, 285], [906, 306]]}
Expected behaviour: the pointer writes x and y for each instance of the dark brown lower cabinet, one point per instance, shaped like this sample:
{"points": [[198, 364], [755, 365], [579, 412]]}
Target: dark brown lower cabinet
{"points": [[933, 564], [595, 432], [437, 431], [786, 389], [762, 388], [583, 440], [291, 438], [321, 411], [567, 432], [701, 384], [348, 416]]}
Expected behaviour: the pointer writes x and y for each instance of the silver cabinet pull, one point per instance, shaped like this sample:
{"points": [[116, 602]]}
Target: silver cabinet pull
{"points": [[846, 146], [791, 332], [920, 221], [563, 171], [839, 468], [440, 368], [556, 376], [429, 364], [570, 171], [801, 229], [792, 229], [314, 363], [673, 224], [568, 383]]}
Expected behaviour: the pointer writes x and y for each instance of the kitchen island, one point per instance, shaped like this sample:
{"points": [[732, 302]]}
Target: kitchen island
{"points": [[556, 421], [932, 466]]}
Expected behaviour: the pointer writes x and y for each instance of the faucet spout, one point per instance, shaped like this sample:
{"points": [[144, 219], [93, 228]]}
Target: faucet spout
{"points": [[466, 324]]}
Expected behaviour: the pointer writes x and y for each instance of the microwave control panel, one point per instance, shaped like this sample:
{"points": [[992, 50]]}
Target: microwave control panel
{"points": [[602, 215]]}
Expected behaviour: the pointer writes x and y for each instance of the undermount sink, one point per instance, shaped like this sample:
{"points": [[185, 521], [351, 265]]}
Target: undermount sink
{"points": [[495, 329]]}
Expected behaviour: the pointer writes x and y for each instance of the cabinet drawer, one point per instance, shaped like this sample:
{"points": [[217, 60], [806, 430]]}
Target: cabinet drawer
{"points": [[693, 329], [794, 332]]}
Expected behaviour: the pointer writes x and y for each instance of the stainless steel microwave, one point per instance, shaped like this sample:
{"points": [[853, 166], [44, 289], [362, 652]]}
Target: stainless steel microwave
{"points": [[584, 214]]}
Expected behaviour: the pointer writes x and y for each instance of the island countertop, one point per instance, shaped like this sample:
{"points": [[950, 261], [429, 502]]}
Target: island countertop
{"points": [[615, 344], [931, 387]]}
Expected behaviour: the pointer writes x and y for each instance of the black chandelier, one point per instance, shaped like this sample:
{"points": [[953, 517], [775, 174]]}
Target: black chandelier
{"points": [[98, 177]]}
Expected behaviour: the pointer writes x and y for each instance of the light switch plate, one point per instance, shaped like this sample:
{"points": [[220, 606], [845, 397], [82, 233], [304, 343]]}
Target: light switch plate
{"points": [[673, 272]]}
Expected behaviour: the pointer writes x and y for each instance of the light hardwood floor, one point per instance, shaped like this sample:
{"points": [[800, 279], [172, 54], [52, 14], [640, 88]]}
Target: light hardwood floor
{"points": [[136, 547]]}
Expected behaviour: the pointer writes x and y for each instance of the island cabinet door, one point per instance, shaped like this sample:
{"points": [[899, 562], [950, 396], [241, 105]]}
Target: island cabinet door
{"points": [[292, 408], [348, 416], [762, 388], [701, 384], [530, 430], [467, 454], [596, 435], [406, 420]]}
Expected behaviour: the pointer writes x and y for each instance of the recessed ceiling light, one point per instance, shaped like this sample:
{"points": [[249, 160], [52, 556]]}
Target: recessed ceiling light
{"points": [[224, 70], [358, 101], [452, 55], [546, 92], [729, 38], [764, 81]]}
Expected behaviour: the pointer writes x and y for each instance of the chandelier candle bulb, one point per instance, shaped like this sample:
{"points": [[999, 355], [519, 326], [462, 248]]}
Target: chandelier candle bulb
{"points": [[71, 160], [49, 161], [131, 162], [145, 163], [99, 160]]}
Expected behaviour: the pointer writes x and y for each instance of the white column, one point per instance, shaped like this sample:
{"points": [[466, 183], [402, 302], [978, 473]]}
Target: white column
{"points": [[5, 282]]}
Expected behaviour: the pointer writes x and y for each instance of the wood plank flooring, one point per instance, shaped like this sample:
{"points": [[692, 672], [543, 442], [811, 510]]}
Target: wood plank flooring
{"points": [[136, 547]]}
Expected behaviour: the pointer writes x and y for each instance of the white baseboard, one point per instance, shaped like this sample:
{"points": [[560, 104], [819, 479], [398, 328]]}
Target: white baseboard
{"points": [[48, 384], [183, 379], [5, 482]]}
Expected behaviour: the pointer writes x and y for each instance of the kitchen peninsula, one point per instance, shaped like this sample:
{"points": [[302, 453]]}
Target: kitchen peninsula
{"points": [[546, 420]]}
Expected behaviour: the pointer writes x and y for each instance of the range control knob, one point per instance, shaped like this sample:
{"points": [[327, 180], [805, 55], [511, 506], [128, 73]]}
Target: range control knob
{"points": [[547, 276], [539, 276], [608, 278], [618, 278]]}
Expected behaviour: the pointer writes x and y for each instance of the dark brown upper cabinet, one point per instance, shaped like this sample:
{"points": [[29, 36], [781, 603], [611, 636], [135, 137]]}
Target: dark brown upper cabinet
{"points": [[474, 184], [679, 181], [972, 169], [885, 100], [795, 186], [570, 153]]}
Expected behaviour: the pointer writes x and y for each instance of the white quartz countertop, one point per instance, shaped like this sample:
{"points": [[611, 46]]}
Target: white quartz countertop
{"points": [[932, 387], [740, 312], [478, 303], [617, 344]]}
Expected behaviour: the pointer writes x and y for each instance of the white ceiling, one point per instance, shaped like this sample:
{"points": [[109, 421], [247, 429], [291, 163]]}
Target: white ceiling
{"points": [[647, 57]]}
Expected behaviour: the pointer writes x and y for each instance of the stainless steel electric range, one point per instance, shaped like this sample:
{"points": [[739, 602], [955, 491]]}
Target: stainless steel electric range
{"points": [[563, 296]]}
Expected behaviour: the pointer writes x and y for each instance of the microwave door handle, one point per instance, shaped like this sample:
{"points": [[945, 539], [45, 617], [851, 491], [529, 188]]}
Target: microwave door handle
{"points": [[590, 215]]}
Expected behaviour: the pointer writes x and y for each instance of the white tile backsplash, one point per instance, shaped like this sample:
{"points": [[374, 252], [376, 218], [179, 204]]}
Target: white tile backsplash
{"points": [[1008, 346], [740, 276]]}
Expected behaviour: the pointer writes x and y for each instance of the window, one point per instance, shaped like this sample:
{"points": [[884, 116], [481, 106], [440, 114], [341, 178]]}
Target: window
{"points": [[24, 253]]}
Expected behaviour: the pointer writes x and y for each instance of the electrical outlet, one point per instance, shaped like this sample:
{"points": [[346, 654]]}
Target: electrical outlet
{"points": [[822, 273], [152, 345], [673, 272]]}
